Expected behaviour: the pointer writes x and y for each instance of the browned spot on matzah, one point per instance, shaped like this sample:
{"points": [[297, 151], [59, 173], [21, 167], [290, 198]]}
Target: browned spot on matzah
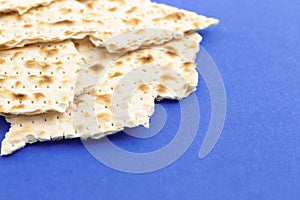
{"points": [[59, 68], [196, 24], [90, 5], [113, 9], [27, 26], [13, 41], [19, 18], [51, 52], [78, 101], [140, 31], [19, 96], [116, 75], [36, 64], [58, 63], [132, 22], [188, 66], [64, 22], [107, 32], [104, 116], [144, 88], [3, 79], [161, 89], [172, 49], [131, 10], [167, 77], [37, 96], [175, 16], [65, 82], [42, 133], [119, 63], [18, 84], [107, 98], [171, 54], [187, 32], [2, 61], [96, 68], [46, 80], [68, 33], [18, 53], [18, 107], [77, 45], [147, 59], [66, 10]]}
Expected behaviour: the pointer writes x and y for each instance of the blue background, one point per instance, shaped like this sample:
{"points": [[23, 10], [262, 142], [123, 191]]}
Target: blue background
{"points": [[256, 48]]}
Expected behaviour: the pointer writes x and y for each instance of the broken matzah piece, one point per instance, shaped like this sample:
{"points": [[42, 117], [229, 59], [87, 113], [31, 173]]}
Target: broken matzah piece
{"points": [[127, 25], [126, 92], [97, 59], [44, 127], [105, 21], [54, 126], [38, 78], [21, 6], [56, 22]]}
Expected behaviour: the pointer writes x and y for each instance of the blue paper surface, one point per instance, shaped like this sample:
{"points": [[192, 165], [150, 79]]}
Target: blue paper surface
{"points": [[256, 48]]}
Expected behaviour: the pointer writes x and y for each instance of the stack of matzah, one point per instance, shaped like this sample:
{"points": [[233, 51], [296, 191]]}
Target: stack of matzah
{"points": [[91, 68]]}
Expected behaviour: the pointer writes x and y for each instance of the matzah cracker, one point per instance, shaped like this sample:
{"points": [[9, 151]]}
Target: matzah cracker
{"points": [[43, 127], [21, 6], [98, 58], [126, 92], [38, 78], [53, 23], [55, 126], [127, 25], [105, 21]]}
